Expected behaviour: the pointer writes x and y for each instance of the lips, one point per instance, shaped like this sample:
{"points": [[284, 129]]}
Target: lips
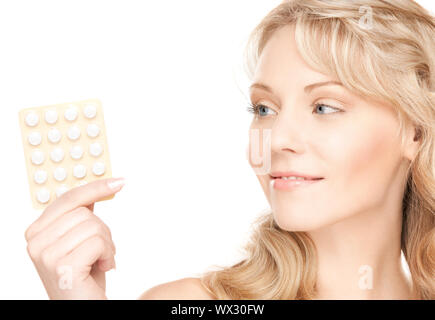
{"points": [[280, 174], [305, 179], [284, 184]]}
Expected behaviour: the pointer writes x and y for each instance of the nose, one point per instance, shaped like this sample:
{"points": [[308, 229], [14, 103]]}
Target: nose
{"points": [[288, 132]]}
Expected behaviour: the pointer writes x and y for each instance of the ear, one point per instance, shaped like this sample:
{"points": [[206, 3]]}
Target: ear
{"points": [[413, 141]]}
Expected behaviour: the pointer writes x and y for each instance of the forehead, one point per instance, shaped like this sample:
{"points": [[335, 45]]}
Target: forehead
{"points": [[282, 68], [280, 64]]}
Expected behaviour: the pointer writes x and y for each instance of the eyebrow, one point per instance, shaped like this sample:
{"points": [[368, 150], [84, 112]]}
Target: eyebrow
{"points": [[307, 89]]}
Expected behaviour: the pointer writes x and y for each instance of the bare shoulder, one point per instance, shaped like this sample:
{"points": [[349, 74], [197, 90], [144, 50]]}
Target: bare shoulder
{"points": [[182, 289]]}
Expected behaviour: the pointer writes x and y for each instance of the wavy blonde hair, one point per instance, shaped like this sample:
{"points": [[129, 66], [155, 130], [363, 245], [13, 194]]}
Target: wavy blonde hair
{"points": [[391, 60]]}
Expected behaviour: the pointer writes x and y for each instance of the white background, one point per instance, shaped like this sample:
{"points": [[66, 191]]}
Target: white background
{"points": [[169, 75]]}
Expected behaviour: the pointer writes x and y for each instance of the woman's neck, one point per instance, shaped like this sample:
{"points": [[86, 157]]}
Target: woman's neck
{"points": [[360, 258]]}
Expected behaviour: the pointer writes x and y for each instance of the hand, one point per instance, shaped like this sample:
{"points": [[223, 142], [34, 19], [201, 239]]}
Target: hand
{"points": [[70, 246]]}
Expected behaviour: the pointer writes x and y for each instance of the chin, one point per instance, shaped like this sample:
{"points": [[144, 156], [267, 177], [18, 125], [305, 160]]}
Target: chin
{"points": [[300, 221]]}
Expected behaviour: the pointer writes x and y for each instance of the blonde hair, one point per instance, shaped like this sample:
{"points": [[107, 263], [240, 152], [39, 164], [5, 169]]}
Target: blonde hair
{"points": [[391, 60]]}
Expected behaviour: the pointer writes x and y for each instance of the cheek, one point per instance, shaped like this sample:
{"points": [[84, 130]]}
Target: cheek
{"points": [[360, 150], [363, 157]]}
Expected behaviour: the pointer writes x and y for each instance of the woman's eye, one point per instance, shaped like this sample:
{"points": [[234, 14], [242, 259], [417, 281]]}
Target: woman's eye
{"points": [[262, 110], [259, 109], [322, 107]]}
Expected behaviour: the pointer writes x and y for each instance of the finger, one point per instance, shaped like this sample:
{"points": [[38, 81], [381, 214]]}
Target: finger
{"points": [[87, 253], [58, 228], [77, 197], [107, 264], [74, 237]]}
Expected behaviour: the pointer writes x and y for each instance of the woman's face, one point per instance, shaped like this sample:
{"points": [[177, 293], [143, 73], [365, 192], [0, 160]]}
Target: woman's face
{"points": [[351, 142]]}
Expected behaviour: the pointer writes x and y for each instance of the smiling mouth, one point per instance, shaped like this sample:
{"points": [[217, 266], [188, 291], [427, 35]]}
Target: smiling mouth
{"points": [[296, 178]]}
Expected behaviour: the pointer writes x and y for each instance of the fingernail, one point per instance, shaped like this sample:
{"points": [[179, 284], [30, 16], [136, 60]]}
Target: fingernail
{"points": [[116, 183]]}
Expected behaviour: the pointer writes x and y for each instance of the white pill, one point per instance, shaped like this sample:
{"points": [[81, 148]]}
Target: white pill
{"points": [[51, 116], [38, 157], [98, 168], [32, 119], [40, 176], [61, 190], [76, 152], [73, 133], [93, 130], [57, 155], [95, 149], [35, 138], [90, 111], [71, 113], [54, 135], [43, 195], [79, 171], [59, 174]]}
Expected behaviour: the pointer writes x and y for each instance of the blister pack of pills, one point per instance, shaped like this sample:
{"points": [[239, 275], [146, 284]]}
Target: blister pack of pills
{"points": [[65, 146]]}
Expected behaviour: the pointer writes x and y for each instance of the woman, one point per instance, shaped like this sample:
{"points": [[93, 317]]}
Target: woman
{"points": [[347, 91]]}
